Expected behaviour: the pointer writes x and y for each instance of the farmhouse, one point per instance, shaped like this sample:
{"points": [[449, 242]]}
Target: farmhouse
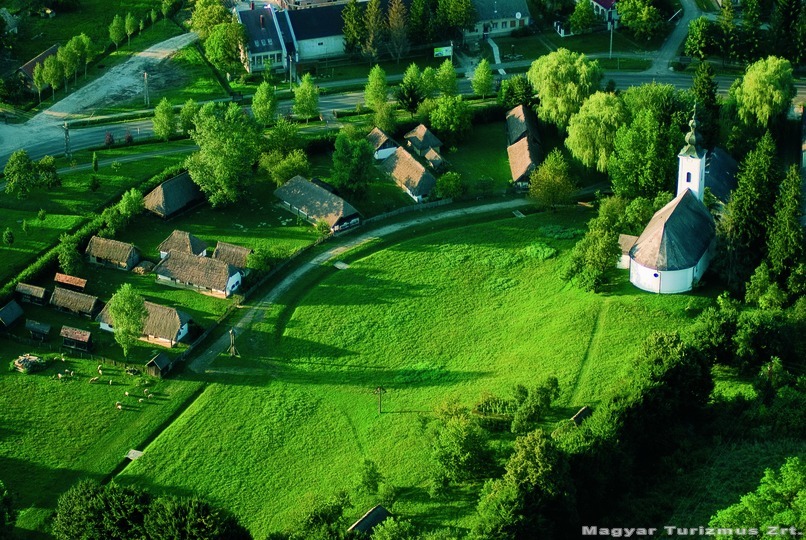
{"points": [[183, 242], [434, 160], [377, 515], [39, 331], [26, 71], [316, 33], [315, 204], [498, 18], [383, 144], [9, 314], [74, 302], [112, 253], [264, 46], [237, 256], [71, 282], [522, 122], [420, 140], [76, 338], [524, 145], [163, 325], [172, 196], [31, 293], [208, 275], [409, 174], [159, 365]]}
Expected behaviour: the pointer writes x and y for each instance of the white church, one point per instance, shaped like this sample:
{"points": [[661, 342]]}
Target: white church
{"points": [[674, 250]]}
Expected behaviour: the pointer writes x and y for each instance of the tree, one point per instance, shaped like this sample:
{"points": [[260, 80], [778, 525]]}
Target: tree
{"points": [[8, 236], [641, 17], [418, 27], [167, 8], [369, 477], [376, 93], [264, 104], [785, 232], [190, 518], [592, 257], [428, 82], [563, 80], [128, 313], [592, 131], [698, 41], [70, 58], [409, 93], [583, 18], [354, 31], [42, 215], [77, 509], [306, 98], [229, 141], [385, 117], [39, 79], [8, 514], [517, 90], [283, 167], [20, 174], [446, 78], [459, 448], [131, 204], [373, 29], [482, 82], [187, 116], [52, 72], [729, 42], [223, 46], [131, 27], [551, 183], [704, 90], [353, 159], [86, 50], [450, 185], [68, 255], [751, 27], [535, 405], [117, 30], [152, 15], [164, 120], [451, 117], [206, 16], [783, 27], [398, 35], [284, 136], [395, 529], [47, 175], [765, 92]]}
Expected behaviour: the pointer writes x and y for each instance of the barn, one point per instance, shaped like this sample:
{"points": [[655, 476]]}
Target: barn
{"points": [[9, 314], [159, 366], [173, 196], [366, 523], [523, 147], [31, 294], [76, 338], [237, 256], [112, 253], [315, 204], [74, 302], [70, 282], [207, 275], [420, 140]]}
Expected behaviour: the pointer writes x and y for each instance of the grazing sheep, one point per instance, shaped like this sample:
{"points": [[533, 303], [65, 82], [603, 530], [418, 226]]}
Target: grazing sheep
{"points": [[71, 373], [93, 379], [150, 396], [110, 382], [59, 375], [140, 400], [99, 367], [120, 407], [145, 391], [100, 372], [127, 394], [67, 371], [62, 358]]}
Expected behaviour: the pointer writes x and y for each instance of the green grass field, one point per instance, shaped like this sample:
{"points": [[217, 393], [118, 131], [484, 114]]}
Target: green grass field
{"points": [[441, 316]]}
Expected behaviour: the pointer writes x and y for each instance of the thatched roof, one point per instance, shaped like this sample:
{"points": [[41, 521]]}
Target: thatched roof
{"points": [[316, 202], [183, 242], [73, 281], [370, 520], [10, 313], [434, 159], [75, 334], [521, 122], [677, 236], [720, 174], [30, 290], [422, 139], [172, 195], [161, 361], [409, 173], [73, 301], [161, 321], [110, 250], [523, 156], [37, 327], [626, 242], [231, 254], [199, 271], [378, 137]]}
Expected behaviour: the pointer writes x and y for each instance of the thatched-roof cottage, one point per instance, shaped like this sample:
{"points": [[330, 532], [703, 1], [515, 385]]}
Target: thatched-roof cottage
{"points": [[420, 140], [523, 156], [74, 302], [208, 275], [163, 325], [76, 338], [114, 253], [382, 143], [172, 196], [9, 314], [237, 256], [31, 293], [183, 242], [315, 204], [409, 174]]}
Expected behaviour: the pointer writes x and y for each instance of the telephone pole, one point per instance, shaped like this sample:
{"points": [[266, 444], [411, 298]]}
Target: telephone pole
{"points": [[380, 391], [66, 129], [145, 84]]}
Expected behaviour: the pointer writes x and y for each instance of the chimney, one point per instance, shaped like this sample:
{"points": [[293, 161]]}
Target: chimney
{"points": [[252, 5], [262, 22]]}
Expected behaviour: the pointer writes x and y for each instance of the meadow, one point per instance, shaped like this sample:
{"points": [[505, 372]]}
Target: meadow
{"points": [[440, 316]]}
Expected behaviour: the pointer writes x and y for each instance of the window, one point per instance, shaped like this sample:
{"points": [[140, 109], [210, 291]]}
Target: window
{"points": [[512, 24], [521, 22], [494, 24], [321, 43], [688, 177], [655, 275]]}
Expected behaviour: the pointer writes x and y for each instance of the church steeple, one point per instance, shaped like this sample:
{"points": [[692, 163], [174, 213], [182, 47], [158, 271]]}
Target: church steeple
{"points": [[691, 162]]}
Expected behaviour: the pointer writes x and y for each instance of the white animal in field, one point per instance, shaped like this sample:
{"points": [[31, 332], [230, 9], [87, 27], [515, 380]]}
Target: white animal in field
{"points": [[100, 372], [150, 396], [120, 407], [110, 382], [59, 375], [71, 373], [140, 400], [99, 367], [126, 393], [67, 371], [145, 391], [93, 379]]}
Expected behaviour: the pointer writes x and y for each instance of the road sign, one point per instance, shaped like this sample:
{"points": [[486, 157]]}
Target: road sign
{"points": [[440, 52]]}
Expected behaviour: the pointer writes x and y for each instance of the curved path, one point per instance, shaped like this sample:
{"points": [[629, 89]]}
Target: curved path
{"points": [[337, 247]]}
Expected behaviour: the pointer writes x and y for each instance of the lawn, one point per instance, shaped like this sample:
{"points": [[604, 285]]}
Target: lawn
{"points": [[57, 432], [537, 45], [482, 155], [443, 316]]}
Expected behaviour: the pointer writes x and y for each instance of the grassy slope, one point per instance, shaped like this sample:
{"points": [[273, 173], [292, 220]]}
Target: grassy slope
{"points": [[443, 316]]}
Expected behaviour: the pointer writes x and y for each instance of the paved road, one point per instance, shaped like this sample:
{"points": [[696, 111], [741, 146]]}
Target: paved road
{"points": [[254, 312]]}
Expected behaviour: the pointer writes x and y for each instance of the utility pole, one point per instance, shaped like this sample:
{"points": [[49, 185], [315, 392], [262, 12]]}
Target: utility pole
{"points": [[232, 350], [611, 23], [66, 129], [145, 83], [380, 391]]}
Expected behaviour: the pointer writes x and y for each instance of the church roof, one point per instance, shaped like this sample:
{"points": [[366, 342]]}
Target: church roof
{"points": [[677, 236]]}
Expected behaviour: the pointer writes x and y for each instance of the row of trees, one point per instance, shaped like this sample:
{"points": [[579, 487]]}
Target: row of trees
{"points": [[22, 175]]}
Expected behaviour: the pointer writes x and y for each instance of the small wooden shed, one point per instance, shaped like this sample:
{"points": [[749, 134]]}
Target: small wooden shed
{"points": [[159, 366], [39, 331], [76, 338], [71, 282], [9, 314], [31, 294]]}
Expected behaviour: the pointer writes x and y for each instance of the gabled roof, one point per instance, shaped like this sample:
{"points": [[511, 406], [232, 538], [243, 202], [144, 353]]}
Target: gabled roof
{"points": [[261, 33], [70, 280], [110, 250], [523, 156], [28, 67], [378, 137], [161, 321], [606, 4], [720, 174], [37, 327], [677, 236], [30, 290], [433, 157], [183, 242], [422, 139], [489, 10], [10, 313], [521, 121], [75, 334], [316, 202], [368, 521], [231, 254], [172, 195], [409, 173], [74, 301], [199, 271], [161, 361], [316, 23]]}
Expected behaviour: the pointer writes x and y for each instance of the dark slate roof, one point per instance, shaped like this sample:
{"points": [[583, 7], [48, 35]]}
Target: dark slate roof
{"points": [[369, 520], [317, 22], [677, 236], [172, 195], [10, 313], [37, 327], [489, 10], [263, 37], [720, 174], [161, 361], [28, 67]]}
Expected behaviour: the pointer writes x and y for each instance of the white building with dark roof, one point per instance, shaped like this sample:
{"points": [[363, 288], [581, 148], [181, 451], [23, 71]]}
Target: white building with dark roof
{"points": [[264, 44], [498, 18]]}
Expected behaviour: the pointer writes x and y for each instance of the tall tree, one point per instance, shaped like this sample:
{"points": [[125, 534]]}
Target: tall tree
{"points": [[52, 72], [190, 519], [376, 92], [517, 90], [751, 29], [641, 17], [207, 15], [592, 131], [354, 30], [69, 60], [765, 92], [783, 27], [729, 43], [187, 116], [419, 16], [164, 120], [446, 78], [39, 79], [563, 81], [451, 117], [704, 90], [700, 38], [117, 30], [396, 18], [283, 167], [264, 103], [352, 162], [583, 18], [482, 81], [785, 232], [47, 175], [20, 174], [410, 94], [131, 26], [128, 313], [374, 30], [223, 47], [68, 255], [306, 98], [551, 183], [86, 48]]}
